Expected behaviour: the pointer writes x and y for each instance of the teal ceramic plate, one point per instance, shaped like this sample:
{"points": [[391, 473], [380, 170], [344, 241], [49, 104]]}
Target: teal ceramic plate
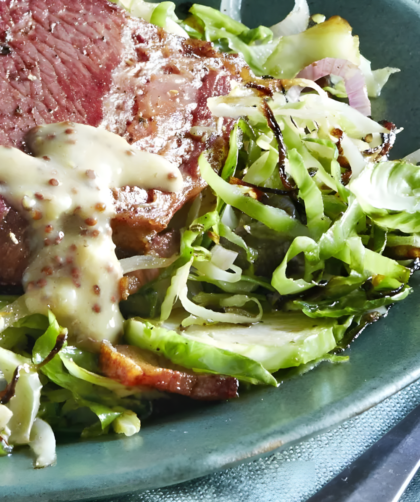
{"points": [[383, 360]]}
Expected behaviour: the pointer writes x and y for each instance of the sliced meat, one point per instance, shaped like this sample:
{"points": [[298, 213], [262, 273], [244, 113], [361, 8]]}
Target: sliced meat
{"points": [[4, 209], [172, 82], [164, 245], [57, 63], [87, 61], [132, 367], [141, 215], [133, 281], [14, 247]]}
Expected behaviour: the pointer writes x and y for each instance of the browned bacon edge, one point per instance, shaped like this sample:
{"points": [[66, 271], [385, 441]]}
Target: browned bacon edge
{"points": [[133, 367]]}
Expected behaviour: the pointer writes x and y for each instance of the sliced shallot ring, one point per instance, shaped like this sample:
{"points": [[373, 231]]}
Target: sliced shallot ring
{"points": [[349, 72]]}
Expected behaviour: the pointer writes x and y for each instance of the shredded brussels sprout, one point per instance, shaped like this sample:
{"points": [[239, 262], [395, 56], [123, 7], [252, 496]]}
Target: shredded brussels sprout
{"points": [[311, 229]]}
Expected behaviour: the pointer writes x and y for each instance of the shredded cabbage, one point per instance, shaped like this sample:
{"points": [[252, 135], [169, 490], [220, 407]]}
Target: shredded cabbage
{"points": [[161, 14], [389, 194], [310, 228], [42, 443]]}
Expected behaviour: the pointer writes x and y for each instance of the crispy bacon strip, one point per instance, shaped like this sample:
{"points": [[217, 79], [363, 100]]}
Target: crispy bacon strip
{"points": [[133, 367]]}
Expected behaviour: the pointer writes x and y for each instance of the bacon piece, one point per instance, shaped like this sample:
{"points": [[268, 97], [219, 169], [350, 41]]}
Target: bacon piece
{"points": [[133, 367]]}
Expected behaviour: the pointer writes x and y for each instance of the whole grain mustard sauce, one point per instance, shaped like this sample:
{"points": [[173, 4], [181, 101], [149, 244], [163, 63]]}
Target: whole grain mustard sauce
{"points": [[64, 190]]}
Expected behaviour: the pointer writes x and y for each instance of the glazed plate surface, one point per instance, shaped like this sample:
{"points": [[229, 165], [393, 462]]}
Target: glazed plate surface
{"points": [[383, 360]]}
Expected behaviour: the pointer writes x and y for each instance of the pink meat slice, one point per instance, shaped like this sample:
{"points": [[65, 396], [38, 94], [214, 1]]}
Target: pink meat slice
{"points": [[57, 63], [87, 61]]}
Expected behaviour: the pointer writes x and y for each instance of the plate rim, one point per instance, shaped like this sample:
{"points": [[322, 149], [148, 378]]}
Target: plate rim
{"points": [[367, 396]]}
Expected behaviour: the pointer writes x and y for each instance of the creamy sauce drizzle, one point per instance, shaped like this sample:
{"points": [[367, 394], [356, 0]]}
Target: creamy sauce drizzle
{"points": [[64, 190]]}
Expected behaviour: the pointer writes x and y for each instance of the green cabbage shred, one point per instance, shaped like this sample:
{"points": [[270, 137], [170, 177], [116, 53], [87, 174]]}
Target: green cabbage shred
{"points": [[313, 243]]}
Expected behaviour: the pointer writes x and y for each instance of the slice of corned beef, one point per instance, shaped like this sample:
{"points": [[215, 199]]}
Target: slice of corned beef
{"points": [[87, 61], [57, 62]]}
